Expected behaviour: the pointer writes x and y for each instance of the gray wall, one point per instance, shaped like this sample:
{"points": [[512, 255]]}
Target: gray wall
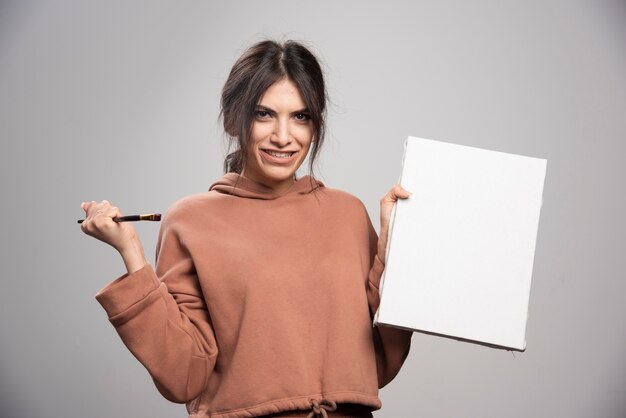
{"points": [[119, 100]]}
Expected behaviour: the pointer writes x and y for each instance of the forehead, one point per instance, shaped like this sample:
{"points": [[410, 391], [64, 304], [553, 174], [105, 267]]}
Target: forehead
{"points": [[282, 93]]}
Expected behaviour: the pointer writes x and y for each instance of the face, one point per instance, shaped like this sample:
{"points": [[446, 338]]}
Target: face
{"points": [[281, 136]]}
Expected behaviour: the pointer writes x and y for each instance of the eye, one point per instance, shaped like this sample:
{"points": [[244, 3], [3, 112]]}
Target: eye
{"points": [[302, 116], [262, 114]]}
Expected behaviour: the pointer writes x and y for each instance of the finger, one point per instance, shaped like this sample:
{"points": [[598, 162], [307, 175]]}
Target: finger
{"points": [[401, 192], [102, 218], [395, 193], [107, 214], [114, 211], [89, 207], [103, 206], [85, 205], [95, 209]]}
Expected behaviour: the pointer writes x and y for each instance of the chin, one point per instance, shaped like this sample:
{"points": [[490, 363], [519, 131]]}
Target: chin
{"points": [[273, 173], [279, 176]]}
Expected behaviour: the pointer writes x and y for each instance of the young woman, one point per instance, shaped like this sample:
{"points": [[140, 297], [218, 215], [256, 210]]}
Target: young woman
{"points": [[264, 288]]}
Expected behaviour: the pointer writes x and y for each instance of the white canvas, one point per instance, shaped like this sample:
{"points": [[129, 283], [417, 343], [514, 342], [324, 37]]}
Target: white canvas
{"points": [[461, 248]]}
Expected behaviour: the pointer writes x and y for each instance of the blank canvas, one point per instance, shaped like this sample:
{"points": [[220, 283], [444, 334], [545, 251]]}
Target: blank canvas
{"points": [[461, 248]]}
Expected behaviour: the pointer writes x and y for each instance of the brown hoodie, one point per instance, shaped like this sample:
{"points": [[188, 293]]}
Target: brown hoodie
{"points": [[259, 302]]}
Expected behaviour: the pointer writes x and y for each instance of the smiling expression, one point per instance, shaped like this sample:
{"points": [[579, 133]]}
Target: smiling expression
{"points": [[281, 137]]}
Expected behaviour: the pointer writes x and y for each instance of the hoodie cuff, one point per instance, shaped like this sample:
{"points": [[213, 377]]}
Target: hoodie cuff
{"points": [[127, 290]]}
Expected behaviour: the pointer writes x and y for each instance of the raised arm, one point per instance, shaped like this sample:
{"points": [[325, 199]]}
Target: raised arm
{"points": [[161, 316], [392, 345]]}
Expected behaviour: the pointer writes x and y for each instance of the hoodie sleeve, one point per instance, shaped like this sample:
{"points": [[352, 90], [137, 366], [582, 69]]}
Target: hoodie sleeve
{"points": [[392, 345], [162, 318]]}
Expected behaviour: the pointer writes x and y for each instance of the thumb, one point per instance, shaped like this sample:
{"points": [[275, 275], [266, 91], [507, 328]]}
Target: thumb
{"points": [[115, 211], [395, 193]]}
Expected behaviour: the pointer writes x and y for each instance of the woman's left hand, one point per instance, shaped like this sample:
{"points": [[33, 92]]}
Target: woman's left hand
{"points": [[386, 206]]}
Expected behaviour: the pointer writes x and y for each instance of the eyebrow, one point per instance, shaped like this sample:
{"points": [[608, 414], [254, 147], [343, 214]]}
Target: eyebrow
{"points": [[269, 109]]}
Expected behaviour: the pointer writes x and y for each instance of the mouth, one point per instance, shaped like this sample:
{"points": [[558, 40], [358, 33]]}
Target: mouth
{"points": [[278, 154]]}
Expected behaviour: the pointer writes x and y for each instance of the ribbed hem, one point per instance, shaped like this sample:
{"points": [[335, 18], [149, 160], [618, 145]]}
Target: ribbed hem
{"points": [[294, 403], [127, 290], [344, 410]]}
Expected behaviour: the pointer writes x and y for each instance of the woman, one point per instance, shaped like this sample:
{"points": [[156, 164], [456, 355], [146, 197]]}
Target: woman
{"points": [[264, 288]]}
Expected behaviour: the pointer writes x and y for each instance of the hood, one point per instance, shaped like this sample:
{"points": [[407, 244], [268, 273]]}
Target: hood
{"points": [[237, 185]]}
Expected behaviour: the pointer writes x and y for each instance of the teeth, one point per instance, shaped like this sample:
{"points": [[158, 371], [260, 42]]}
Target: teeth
{"points": [[279, 154]]}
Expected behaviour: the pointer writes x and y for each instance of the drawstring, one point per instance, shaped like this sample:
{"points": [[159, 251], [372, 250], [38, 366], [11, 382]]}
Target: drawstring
{"points": [[320, 408]]}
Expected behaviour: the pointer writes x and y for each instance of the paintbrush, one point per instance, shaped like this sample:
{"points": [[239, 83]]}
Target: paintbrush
{"points": [[128, 218]]}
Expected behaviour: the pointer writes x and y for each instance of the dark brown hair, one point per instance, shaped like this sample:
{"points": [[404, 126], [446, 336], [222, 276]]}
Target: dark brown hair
{"points": [[260, 66]]}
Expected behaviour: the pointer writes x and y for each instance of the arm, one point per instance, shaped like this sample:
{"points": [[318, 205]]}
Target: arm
{"points": [[392, 345], [162, 318]]}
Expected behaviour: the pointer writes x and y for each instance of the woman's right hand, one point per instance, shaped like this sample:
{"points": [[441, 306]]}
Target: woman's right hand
{"points": [[122, 236]]}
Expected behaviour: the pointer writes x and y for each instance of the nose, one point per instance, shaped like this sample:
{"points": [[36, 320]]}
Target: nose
{"points": [[281, 136]]}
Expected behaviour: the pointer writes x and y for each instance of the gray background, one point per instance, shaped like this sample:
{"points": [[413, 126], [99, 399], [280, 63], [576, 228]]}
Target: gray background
{"points": [[119, 100]]}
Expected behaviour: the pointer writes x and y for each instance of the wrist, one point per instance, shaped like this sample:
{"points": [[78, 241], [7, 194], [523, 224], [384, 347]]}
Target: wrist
{"points": [[133, 257], [381, 251]]}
